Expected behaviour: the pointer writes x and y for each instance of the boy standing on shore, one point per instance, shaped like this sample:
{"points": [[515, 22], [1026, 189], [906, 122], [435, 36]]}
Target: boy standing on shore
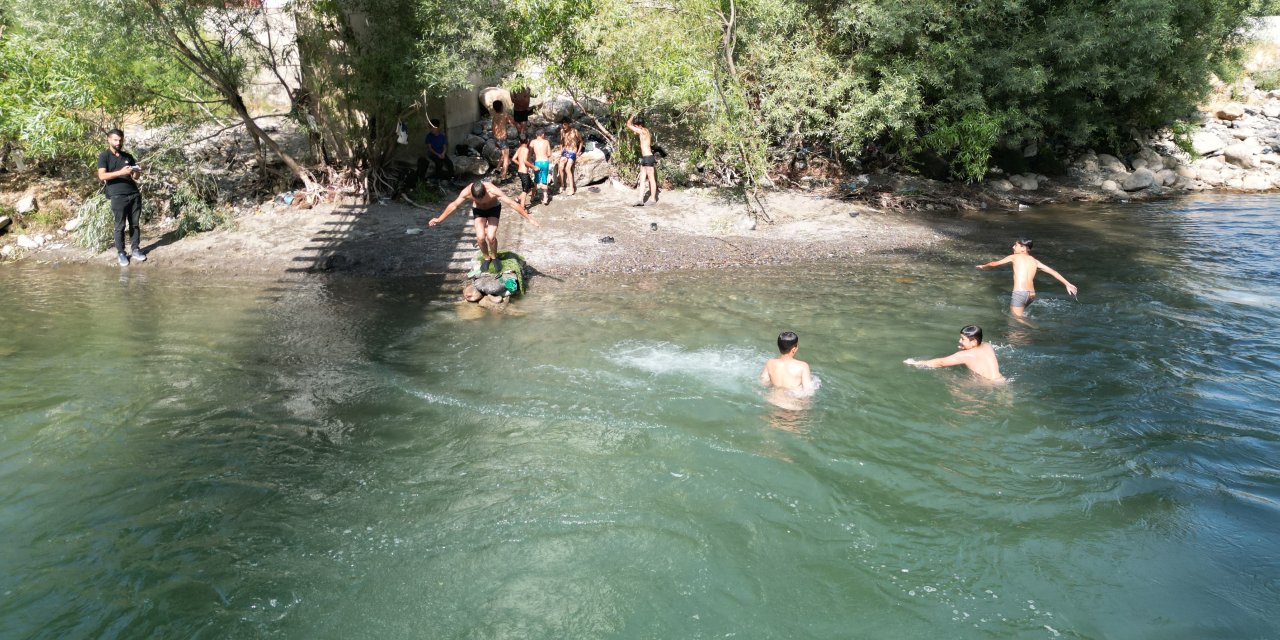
{"points": [[1024, 273]]}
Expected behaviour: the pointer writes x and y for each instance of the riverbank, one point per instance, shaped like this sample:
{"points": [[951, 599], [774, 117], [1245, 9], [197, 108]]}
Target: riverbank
{"points": [[598, 230]]}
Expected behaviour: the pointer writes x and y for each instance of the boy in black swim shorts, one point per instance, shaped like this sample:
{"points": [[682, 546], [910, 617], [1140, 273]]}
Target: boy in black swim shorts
{"points": [[486, 207], [524, 169]]}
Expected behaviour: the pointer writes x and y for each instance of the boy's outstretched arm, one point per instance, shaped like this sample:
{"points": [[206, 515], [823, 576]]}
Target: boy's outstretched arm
{"points": [[936, 363], [1071, 288], [462, 197], [995, 263]]}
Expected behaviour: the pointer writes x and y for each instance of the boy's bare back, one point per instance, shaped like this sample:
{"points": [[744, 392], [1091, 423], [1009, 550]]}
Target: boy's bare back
{"points": [[786, 373]]}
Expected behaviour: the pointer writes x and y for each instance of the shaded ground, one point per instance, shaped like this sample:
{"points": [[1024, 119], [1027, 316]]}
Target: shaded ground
{"points": [[596, 231]]}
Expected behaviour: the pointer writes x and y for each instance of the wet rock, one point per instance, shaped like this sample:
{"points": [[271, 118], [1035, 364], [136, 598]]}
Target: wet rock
{"points": [[1138, 180], [497, 303]]}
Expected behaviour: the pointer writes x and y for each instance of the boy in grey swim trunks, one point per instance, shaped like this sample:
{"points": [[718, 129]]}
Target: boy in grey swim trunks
{"points": [[1024, 274]]}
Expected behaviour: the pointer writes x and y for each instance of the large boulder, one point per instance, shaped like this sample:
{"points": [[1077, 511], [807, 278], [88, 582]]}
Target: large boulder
{"points": [[1210, 177], [1240, 155], [1233, 111], [469, 166], [1138, 180], [1166, 177], [592, 167], [554, 110], [1205, 143], [1255, 182], [489, 95], [489, 285], [473, 141], [1271, 109], [1000, 184], [1024, 181], [1108, 162]]}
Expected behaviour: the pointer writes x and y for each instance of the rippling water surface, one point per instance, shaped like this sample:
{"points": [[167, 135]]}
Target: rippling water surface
{"points": [[181, 457]]}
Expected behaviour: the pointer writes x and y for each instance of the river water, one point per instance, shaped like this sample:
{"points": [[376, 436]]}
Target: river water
{"points": [[187, 458]]}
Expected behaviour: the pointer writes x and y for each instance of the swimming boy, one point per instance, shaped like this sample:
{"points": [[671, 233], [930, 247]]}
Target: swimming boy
{"points": [[486, 206], [500, 123], [973, 353], [648, 161], [570, 147], [785, 371], [1024, 275], [541, 149]]}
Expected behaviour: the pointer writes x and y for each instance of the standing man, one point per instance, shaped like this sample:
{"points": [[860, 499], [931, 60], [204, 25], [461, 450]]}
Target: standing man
{"points": [[648, 161], [500, 123], [520, 105], [524, 169], [542, 162], [437, 153], [978, 357], [1024, 275], [119, 169], [486, 207], [570, 147]]}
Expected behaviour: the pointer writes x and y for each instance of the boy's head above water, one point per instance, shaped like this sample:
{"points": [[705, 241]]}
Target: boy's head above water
{"points": [[1024, 243], [787, 340], [970, 336]]}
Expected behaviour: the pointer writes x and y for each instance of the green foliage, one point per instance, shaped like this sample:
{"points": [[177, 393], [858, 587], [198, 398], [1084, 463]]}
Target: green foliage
{"points": [[1182, 132], [194, 204], [96, 223], [1267, 79]]}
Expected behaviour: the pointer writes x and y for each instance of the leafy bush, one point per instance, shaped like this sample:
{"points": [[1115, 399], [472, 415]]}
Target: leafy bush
{"points": [[193, 204], [97, 225], [1267, 79]]}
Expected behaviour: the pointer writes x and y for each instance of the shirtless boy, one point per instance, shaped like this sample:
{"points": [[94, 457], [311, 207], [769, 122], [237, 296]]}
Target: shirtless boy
{"points": [[486, 206], [500, 123], [973, 353], [541, 149], [1024, 275], [524, 169], [570, 147], [648, 161], [785, 371], [520, 104]]}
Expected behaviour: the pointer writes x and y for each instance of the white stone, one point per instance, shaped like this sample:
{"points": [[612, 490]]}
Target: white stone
{"points": [[591, 167], [1185, 171], [1140, 163], [489, 95], [1242, 134], [1241, 155], [27, 242], [73, 224], [1255, 182], [6, 251], [1209, 177], [1205, 143], [26, 204], [1110, 185], [1166, 177], [1271, 109], [1233, 111], [1235, 183], [1270, 158]]}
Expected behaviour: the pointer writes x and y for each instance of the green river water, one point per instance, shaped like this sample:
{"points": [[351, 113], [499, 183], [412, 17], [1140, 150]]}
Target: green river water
{"points": [[183, 457]]}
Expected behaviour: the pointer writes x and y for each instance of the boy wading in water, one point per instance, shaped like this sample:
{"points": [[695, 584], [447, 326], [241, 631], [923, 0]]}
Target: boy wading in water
{"points": [[973, 353], [785, 372], [1024, 275], [648, 161], [486, 207]]}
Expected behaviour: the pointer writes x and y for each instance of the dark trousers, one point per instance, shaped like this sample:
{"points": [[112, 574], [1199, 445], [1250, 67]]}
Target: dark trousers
{"points": [[443, 166], [127, 208]]}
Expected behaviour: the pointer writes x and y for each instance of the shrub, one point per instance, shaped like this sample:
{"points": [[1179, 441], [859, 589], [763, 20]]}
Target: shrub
{"points": [[96, 223]]}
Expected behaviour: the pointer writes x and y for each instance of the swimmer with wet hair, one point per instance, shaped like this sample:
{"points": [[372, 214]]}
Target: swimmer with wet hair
{"points": [[1024, 274], [978, 356], [785, 371]]}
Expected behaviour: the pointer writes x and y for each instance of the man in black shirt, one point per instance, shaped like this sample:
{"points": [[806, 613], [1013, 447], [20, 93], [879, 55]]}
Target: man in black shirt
{"points": [[118, 168]]}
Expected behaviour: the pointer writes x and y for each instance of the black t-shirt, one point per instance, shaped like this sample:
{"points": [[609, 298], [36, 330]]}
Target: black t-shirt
{"points": [[124, 185]]}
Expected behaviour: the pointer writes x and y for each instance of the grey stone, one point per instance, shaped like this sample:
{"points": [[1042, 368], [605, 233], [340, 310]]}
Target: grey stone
{"points": [[1166, 177], [1024, 181], [473, 141], [489, 95], [73, 224], [1108, 162], [1271, 109], [1170, 162], [1240, 155], [1140, 163], [1210, 177], [1185, 172], [556, 109], [489, 284], [27, 242], [1030, 151], [1205, 143], [469, 166], [1138, 180], [1001, 185], [591, 168], [1110, 185]]}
